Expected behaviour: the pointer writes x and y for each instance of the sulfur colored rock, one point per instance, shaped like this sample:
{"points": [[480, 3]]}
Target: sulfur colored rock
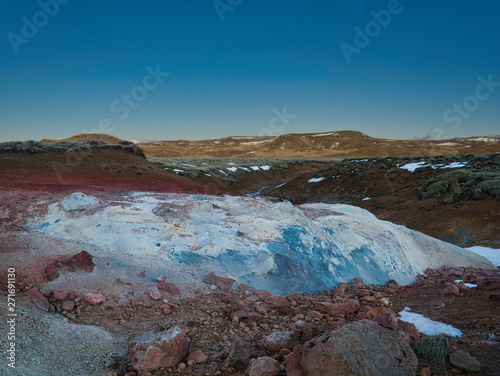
{"points": [[362, 348], [465, 361], [94, 299], [164, 349], [264, 366], [169, 287], [39, 300]]}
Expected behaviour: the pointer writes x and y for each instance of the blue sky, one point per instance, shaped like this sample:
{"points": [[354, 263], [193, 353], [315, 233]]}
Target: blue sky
{"points": [[229, 66]]}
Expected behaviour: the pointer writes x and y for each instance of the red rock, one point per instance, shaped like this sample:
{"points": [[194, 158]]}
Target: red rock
{"points": [[409, 329], [248, 314], [94, 298], [361, 348], [277, 301], [136, 302], [339, 291], [59, 295], [350, 306], [263, 294], [362, 292], [368, 299], [245, 287], [388, 321], [315, 315], [465, 362], [358, 281], [39, 300], [363, 311], [169, 287], [220, 282], [264, 366], [197, 357], [261, 308], [68, 305], [50, 271], [82, 260], [286, 310], [164, 349], [155, 294], [283, 339], [379, 311], [451, 290]]}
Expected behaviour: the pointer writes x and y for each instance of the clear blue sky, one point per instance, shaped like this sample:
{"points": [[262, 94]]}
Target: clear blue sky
{"points": [[230, 67]]}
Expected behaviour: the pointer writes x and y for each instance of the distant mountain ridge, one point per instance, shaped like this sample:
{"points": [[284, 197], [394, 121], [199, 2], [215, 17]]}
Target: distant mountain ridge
{"points": [[334, 144]]}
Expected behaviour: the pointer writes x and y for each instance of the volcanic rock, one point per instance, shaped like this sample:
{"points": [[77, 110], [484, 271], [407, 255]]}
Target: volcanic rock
{"points": [[94, 298], [39, 300], [464, 361], [362, 348], [163, 349], [264, 366]]}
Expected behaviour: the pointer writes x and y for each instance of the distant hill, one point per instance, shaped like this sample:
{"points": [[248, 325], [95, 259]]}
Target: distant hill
{"points": [[335, 144], [85, 137]]}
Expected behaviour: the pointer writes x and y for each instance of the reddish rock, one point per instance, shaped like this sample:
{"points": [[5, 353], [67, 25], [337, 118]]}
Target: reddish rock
{"points": [[350, 306], [82, 260], [263, 294], [277, 301], [451, 290], [315, 315], [245, 287], [339, 291], [50, 271], [197, 357], [136, 302], [379, 311], [362, 292], [388, 321], [169, 287], [362, 348], [465, 362], [409, 329], [363, 311], [246, 313], [220, 282], [68, 305], [358, 281], [59, 295], [264, 366], [155, 294], [165, 349], [286, 310], [39, 300], [94, 298], [368, 299], [283, 339]]}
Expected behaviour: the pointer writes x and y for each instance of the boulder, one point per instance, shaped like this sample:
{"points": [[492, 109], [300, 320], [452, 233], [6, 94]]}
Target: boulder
{"points": [[350, 306], [220, 282], [169, 287], [465, 361], [284, 339], [164, 349], [264, 366], [362, 348]]}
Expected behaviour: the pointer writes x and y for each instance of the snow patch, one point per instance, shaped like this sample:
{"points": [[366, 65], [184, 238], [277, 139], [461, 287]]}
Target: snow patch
{"points": [[491, 254], [427, 326], [315, 180]]}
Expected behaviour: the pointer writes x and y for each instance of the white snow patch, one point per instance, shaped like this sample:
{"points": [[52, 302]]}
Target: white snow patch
{"points": [[315, 180], [281, 185], [413, 166], [427, 326], [176, 170], [367, 198], [189, 165], [246, 169], [233, 169], [491, 254], [231, 163], [223, 172], [456, 165], [255, 168], [265, 168]]}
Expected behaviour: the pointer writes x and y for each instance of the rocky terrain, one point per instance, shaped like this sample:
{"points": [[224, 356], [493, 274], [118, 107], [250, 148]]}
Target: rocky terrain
{"points": [[125, 267]]}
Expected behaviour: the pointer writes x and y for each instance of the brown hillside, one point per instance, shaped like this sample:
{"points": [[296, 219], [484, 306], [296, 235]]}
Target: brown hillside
{"points": [[85, 137], [338, 144]]}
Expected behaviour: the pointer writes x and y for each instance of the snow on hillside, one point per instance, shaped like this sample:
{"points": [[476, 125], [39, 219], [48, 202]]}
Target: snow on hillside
{"points": [[269, 245]]}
